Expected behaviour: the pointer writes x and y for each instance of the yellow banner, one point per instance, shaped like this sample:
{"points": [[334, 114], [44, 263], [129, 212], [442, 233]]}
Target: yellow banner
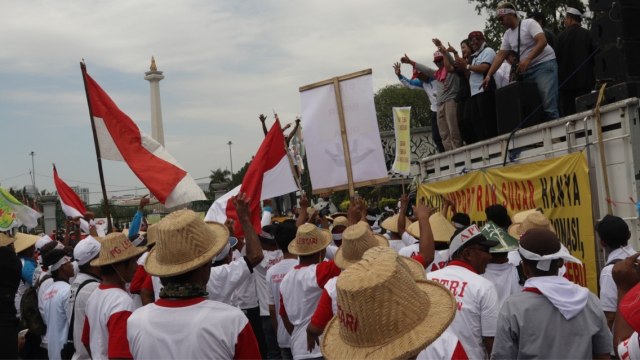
{"points": [[559, 186], [401, 122]]}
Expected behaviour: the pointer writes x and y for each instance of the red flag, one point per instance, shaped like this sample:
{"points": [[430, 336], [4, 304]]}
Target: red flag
{"points": [[70, 202], [269, 175], [120, 139]]}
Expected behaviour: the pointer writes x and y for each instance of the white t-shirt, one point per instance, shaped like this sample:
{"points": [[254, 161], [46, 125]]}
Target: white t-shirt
{"points": [[225, 279], [274, 277], [300, 291], [331, 251], [44, 286], [447, 346], [477, 304], [245, 295], [80, 301], [608, 288], [259, 273], [332, 290], [105, 326], [440, 257], [408, 239], [485, 56], [528, 29], [630, 348], [55, 316], [157, 286], [188, 329], [505, 278], [502, 75]]}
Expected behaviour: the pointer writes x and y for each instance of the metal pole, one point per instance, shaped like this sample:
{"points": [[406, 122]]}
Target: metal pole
{"points": [[33, 171], [230, 158]]}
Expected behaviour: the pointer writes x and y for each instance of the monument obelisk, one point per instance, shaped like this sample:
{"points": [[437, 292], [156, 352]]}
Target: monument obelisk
{"points": [[153, 76]]}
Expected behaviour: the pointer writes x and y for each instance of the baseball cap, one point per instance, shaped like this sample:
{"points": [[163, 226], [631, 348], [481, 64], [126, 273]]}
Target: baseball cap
{"points": [[467, 236], [86, 250], [437, 56]]}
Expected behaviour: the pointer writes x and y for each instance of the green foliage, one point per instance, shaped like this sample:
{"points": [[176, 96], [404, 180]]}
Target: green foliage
{"points": [[391, 203], [344, 205], [553, 10], [236, 179], [397, 95]]}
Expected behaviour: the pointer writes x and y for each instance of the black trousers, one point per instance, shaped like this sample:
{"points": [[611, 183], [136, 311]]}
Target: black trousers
{"points": [[253, 314]]}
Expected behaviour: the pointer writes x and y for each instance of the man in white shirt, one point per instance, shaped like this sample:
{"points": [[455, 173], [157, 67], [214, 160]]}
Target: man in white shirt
{"points": [[183, 323], [271, 256], [614, 238], [82, 287], [536, 59], [55, 301], [477, 301]]}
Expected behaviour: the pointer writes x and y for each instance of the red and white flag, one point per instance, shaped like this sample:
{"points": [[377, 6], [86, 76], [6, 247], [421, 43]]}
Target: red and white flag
{"points": [[120, 139], [269, 175], [70, 202]]}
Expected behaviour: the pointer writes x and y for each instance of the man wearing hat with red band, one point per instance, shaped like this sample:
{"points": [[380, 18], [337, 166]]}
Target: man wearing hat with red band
{"points": [[477, 300]]}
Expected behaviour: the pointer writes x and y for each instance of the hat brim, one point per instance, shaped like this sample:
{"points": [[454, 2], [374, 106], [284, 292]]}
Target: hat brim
{"points": [[515, 230], [6, 240], [440, 315], [343, 263], [154, 267], [416, 269], [24, 241], [326, 236], [102, 262]]}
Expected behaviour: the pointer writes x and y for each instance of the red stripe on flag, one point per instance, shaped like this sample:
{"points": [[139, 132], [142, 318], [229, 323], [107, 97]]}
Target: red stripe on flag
{"points": [[271, 151], [67, 195], [158, 175]]}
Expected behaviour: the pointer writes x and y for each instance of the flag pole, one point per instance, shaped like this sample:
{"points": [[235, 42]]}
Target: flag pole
{"points": [[83, 68], [343, 133]]}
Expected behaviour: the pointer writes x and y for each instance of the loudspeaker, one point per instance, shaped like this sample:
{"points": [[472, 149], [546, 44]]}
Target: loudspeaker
{"points": [[616, 63], [514, 103], [619, 24], [608, 5], [612, 94]]}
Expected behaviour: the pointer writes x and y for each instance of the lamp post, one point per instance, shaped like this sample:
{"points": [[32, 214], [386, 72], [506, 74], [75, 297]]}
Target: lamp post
{"points": [[33, 171], [230, 157]]}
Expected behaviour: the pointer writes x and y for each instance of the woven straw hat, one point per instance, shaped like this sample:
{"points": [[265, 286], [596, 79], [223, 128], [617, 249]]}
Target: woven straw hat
{"points": [[357, 239], [6, 240], [412, 266], [310, 239], [441, 228], [391, 223], [24, 241], [140, 233], [152, 234], [116, 247], [518, 218], [340, 221], [184, 242], [535, 220], [383, 313]]}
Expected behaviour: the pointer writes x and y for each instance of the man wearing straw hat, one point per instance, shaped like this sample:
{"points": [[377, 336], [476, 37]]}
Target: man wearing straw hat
{"points": [[441, 231], [183, 323], [25, 249], [477, 301], [549, 302], [301, 288], [383, 312], [397, 225], [338, 226], [110, 305]]}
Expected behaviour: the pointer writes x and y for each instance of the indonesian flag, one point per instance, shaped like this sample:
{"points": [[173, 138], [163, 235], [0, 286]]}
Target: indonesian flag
{"points": [[120, 139], [70, 202], [269, 175]]}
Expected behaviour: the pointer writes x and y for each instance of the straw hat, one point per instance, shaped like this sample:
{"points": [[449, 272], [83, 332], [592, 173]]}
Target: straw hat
{"points": [[126, 232], [184, 242], [535, 220], [6, 240], [24, 241], [412, 266], [116, 247], [383, 313], [518, 218], [309, 240], [357, 239], [391, 223], [340, 221], [152, 234], [441, 228]]}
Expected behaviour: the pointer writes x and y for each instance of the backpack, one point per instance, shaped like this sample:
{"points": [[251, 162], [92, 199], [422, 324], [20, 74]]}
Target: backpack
{"points": [[30, 317]]}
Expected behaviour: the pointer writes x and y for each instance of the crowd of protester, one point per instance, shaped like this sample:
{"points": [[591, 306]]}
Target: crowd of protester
{"points": [[462, 86]]}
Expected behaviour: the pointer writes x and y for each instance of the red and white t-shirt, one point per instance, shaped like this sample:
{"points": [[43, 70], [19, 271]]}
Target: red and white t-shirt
{"points": [[327, 305], [194, 328], [105, 325], [300, 291], [477, 305], [630, 348], [259, 273], [225, 279], [446, 347], [440, 257], [274, 278]]}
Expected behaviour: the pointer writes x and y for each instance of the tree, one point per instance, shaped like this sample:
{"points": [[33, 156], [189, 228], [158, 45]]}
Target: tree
{"points": [[553, 11], [397, 95], [236, 179]]}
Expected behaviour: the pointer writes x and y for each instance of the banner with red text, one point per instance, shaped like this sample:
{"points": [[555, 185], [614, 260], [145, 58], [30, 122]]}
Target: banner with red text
{"points": [[559, 186]]}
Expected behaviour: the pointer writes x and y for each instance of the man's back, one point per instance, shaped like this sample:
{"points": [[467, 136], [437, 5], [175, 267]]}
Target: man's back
{"points": [[529, 326]]}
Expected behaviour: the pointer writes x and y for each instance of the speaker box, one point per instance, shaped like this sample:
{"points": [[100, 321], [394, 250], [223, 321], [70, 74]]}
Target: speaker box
{"points": [[619, 24], [612, 94], [618, 62], [514, 103], [608, 5]]}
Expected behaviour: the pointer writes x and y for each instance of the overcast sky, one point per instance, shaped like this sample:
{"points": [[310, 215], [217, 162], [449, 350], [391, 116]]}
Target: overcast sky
{"points": [[224, 63]]}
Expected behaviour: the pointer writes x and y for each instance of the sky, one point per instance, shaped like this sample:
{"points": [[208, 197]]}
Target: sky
{"points": [[225, 62]]}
